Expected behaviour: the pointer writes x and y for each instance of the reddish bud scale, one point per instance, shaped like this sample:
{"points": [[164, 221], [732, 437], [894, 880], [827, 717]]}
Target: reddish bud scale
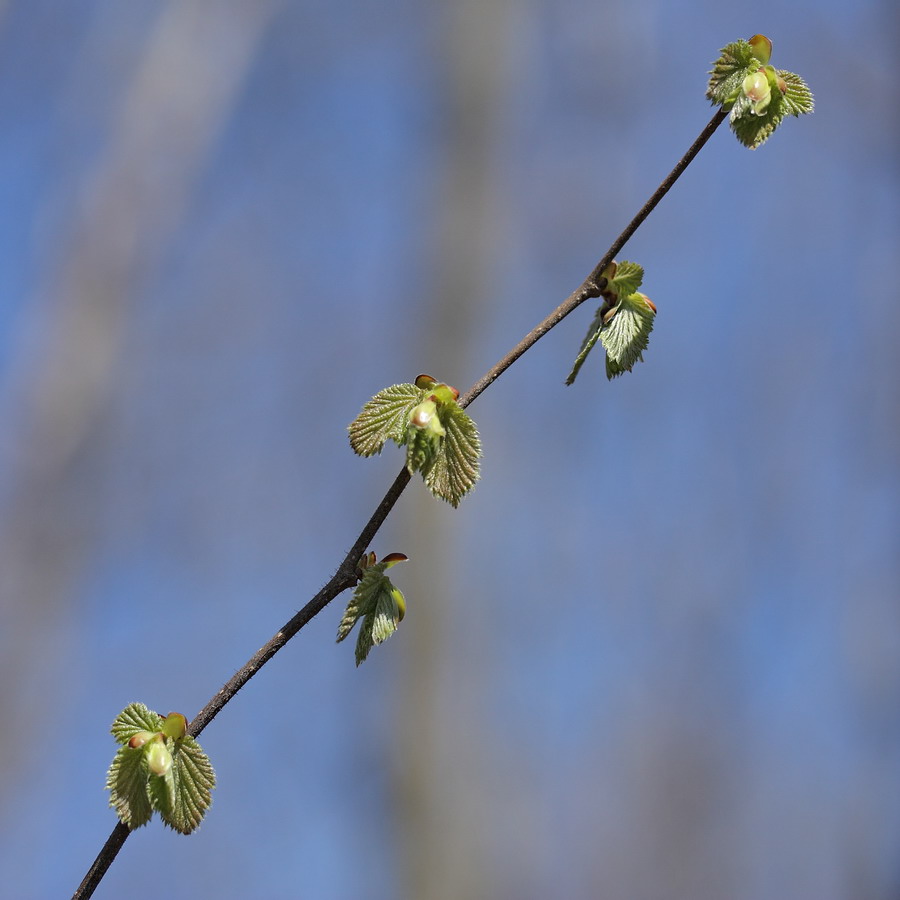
{"points": [[395, 558]]}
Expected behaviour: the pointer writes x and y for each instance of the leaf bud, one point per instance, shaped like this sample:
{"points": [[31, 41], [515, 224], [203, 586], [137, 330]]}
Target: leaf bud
{"points": [[399, 604], [174, 725], [444, 393], [393, 558], [760, 47], [159, 759], [141, 738], [423, 382], [756, 88], [423, 414]]}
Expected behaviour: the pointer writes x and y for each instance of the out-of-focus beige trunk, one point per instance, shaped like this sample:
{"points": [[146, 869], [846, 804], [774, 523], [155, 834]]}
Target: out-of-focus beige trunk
{"points": [[438, 783], [169, 113]]}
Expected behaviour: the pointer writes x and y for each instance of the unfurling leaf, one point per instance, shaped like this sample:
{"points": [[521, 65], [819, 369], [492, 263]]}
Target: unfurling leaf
{"points": [[455, 468], [622, 324], [160, 768], [385, 417], [187, 794], [736, 61], [591, 338], [798, 98], [758, 95], [134, 718], [126, 782], [441, 441], [627, 279], [376, 604], [626, 334]]}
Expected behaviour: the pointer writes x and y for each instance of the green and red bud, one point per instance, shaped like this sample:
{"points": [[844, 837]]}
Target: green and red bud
{"points": [[444, 393], [758, 91], [141, 738], [393, 558], [425, 418], [761, 47], [423, 414]]}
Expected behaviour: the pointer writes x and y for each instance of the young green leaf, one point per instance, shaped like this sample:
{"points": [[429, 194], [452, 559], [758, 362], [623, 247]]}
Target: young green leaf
{"points": [[385, 417], [134, 718], [798, 98], [126, 782], [387, 614], [455, 469], [627, 279], [591, 338], [184, 795], [736, 61], [626, 334], [353, 612], [377, 605]]}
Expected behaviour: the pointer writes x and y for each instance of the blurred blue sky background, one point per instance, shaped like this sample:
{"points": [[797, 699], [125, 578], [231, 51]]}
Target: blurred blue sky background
{"points": [[655, 653]]}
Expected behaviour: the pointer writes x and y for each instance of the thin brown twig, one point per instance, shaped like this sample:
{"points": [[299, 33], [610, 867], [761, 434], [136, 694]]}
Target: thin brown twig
{"points": [[591, 286], [345, 576]]}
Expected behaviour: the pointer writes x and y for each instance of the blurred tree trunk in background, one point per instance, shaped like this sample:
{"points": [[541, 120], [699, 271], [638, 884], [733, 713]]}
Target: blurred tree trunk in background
{"points": [[438, 755], [167, 116]]}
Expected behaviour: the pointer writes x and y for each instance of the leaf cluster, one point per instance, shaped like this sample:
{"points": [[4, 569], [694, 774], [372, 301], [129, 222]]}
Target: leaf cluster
{"points": [[622, 323], [376, 604], [754, 120], [158, 768], [441, 440]]}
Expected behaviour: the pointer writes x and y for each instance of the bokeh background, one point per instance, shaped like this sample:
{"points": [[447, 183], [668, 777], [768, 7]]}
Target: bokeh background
{"points": [[656, 654]]}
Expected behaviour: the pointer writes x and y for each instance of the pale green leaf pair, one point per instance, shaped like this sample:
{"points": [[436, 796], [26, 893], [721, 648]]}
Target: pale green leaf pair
{"points": [[622, 324], [757, 95], [441, 440], [154, 771], [376, 604]]}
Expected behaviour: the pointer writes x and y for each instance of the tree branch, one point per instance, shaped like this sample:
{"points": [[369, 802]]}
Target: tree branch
{"points": [[345, 576], [591, 286]]}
